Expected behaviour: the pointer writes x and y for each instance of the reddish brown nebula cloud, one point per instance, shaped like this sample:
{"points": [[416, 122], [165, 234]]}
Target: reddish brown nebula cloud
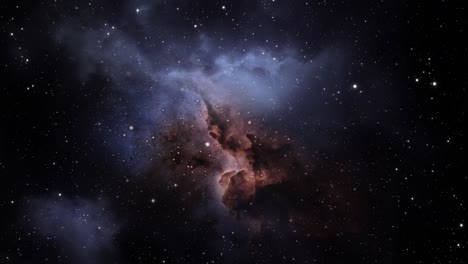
{"points": [[264, 175], [272, 180]]}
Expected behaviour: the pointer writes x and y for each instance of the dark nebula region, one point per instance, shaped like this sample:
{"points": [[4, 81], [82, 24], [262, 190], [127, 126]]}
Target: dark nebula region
{"points": [[249, 131]]}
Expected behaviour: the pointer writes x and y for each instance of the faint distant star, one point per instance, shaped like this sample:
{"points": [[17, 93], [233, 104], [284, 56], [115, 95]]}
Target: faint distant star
{"points": [[60, 194], [417, 80], [207, 144], [434, 83], [354, 86], [223, 7], [153, 200], [461, 224], [137, 10], [131, 127]]}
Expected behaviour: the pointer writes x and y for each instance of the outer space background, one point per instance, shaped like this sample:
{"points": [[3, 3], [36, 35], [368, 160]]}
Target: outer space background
{"points": [[249, 131]]}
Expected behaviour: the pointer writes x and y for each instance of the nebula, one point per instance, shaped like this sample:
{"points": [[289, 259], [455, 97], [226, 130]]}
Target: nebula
{"points": [[212, 133], [84, 228], [263, 175], [260, 160]]}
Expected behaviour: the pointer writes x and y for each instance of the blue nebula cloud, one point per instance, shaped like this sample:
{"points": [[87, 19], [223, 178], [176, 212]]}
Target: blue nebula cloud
{"points": [[153, 85], [83, 229]]}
